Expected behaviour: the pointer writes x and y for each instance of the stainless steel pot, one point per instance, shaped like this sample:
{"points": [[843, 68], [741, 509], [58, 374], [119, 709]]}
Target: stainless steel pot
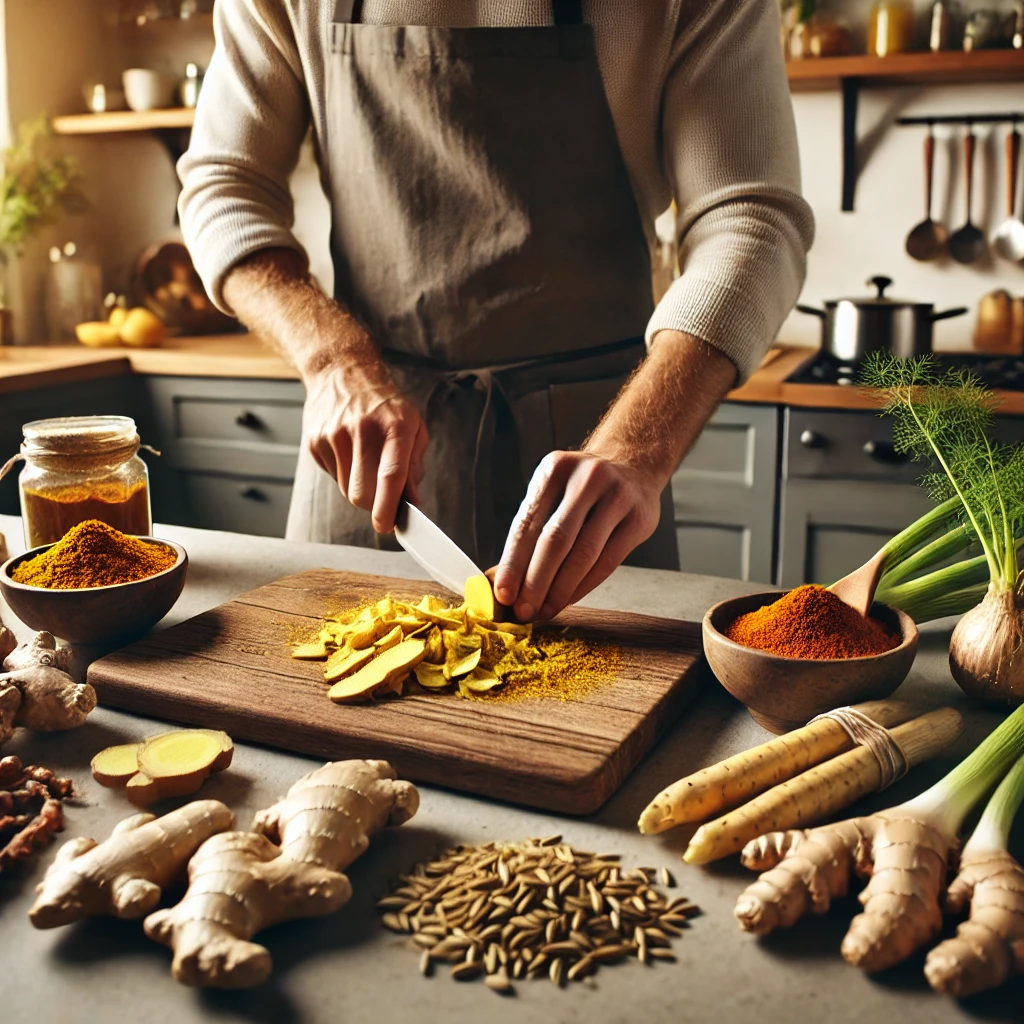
{"points": [[853, 327]]}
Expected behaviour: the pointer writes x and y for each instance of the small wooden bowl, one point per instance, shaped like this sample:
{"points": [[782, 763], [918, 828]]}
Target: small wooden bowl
{"points": [[785, 693], [96, 615]]}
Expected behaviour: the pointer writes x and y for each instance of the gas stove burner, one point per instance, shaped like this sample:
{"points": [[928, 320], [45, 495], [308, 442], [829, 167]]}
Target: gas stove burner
{"points": [[1000, 372]]}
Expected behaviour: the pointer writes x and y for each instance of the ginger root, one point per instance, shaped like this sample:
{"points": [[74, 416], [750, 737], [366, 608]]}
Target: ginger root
{"points": [[905, 856], [36, 692], [125, 875], [988, 947], [289, 866], [169, 765], [8, 642], [41, 697], [40, 649]]}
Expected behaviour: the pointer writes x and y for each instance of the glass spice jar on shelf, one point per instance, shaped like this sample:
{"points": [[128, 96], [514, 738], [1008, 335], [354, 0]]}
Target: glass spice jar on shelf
{"points": [[890, 28], [79, 468]]}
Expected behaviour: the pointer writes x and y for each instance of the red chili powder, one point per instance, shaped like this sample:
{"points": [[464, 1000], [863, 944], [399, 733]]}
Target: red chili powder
{"points": [[811, 622]]}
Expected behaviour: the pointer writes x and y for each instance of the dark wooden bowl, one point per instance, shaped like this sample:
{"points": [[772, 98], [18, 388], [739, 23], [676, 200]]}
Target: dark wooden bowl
{"points": [[784, 693], [96, 615]]}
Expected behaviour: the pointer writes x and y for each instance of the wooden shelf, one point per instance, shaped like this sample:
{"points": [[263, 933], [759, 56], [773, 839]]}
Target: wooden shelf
{"points": [[124, 121], [949, 66], [851, 74]]}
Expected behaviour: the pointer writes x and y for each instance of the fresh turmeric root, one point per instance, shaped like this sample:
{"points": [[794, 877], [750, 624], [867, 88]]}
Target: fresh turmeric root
{"points": [[289, 866], [125, 875], [905, 855], [31, 811]]}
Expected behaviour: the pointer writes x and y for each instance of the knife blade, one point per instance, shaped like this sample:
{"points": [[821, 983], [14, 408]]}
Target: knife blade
{"points": [[433, 549]]}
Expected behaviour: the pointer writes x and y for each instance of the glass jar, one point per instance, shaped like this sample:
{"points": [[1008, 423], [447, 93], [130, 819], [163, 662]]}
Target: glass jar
{"points": [[78, 468], [890, 28]]}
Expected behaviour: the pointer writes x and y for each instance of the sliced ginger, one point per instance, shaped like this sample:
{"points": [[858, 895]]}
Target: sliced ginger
{"points": [[114, 766], [169, 765], [441, 646]]}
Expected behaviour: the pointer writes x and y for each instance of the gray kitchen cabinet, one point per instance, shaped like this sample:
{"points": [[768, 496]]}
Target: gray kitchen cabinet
{"points": [[724, 494], [829, 528], [232, 445], [845, 491]]}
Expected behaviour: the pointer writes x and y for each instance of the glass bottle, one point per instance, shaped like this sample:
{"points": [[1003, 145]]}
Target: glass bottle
{"points": [[78, 468], [890, 27]]}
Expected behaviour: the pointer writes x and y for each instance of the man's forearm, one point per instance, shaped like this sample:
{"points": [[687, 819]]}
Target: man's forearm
{"points": [[273, 295], [664, 407]]}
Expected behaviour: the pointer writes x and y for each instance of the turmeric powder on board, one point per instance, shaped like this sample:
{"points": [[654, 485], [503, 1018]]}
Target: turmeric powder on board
{"points": [[93, 554]]}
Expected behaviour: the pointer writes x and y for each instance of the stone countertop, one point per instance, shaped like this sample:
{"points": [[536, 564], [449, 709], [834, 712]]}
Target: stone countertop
{"points": [[344, 968], [23, 368]]}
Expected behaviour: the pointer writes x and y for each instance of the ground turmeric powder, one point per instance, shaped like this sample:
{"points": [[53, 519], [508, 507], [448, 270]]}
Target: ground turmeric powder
{"points": [[811, 622], [93, 554]]}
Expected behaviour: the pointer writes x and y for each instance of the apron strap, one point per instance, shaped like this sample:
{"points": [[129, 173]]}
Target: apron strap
{"points": [[565, 12]]}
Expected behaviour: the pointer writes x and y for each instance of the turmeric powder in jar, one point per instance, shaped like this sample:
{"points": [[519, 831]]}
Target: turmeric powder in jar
{"points": [[79, 468]]}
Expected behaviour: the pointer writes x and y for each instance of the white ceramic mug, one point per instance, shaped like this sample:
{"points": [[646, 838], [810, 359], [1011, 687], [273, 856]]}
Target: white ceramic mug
{"points": [[148, 90]]}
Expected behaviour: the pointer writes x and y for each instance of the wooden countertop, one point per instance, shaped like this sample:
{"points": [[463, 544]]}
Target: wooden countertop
{"points": [[26, 367]]}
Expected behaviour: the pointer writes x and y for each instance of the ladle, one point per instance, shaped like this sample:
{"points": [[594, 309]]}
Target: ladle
{"points": [[967, 244], [1008, 240], [928, 239]]}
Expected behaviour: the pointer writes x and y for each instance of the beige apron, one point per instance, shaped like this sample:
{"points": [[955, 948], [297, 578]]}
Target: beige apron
{"points": [[486, 232]]}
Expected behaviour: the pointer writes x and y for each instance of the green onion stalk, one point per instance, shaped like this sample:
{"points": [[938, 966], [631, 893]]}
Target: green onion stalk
{"points": [[944, 418]]}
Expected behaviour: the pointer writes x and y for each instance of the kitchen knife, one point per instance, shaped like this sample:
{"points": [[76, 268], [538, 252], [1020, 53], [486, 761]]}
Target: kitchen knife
{"points": [[434, 549]]}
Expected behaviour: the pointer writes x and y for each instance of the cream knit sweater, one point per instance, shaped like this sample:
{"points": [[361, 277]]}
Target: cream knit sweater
{"points": [[699, 98]]}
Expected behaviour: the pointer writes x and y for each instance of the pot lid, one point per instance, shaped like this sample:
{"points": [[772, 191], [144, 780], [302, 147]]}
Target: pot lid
{"points": [[880, 283]]}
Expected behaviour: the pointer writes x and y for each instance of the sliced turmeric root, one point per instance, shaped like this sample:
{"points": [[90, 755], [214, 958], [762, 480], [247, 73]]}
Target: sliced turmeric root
{"points": [[341, 664], [479, 596], [172, 764], [114, 766], [381, 673]]}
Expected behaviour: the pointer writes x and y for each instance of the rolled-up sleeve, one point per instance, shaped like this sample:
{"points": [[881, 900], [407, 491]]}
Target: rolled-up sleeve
{"points": [[730, 152], [252, 116]]}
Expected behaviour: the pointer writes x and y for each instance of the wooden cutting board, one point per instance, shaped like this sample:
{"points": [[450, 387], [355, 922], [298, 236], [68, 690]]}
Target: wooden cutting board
{"points": [[230, 668]]}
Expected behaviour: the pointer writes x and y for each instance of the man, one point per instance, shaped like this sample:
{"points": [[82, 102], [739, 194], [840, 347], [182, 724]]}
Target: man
{"points": [[494, 169]]}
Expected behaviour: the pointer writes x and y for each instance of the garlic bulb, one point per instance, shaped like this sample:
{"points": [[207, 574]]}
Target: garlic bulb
{"points": [[986, 651]]}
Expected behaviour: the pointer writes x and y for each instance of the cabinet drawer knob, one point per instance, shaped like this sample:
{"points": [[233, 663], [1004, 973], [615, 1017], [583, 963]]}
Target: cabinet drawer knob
{"points": [[812, 439], [251, 493], [884, 451], [249, 419]]}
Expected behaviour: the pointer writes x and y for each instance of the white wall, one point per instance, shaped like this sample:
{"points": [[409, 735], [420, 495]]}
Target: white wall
{"points": [[851, 247], [54, 46]]}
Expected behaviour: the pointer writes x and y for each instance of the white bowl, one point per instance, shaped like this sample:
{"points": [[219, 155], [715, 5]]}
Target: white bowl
{"points": [[148, 90]]}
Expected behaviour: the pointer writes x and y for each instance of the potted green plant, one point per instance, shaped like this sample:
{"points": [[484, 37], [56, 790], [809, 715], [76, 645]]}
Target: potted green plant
{"points": [[38, 188]]}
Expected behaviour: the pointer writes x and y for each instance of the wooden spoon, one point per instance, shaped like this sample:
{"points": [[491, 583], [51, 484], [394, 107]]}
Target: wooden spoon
{"points": [[858, 589]]}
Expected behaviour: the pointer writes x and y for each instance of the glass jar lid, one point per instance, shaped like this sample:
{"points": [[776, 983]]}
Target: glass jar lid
{"points": [[81, 436]]}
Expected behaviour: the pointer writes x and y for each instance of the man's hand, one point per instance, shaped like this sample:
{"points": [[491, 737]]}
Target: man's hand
{"points": [[585, 511], [582, 515], [368, 436], [361, 429]]}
